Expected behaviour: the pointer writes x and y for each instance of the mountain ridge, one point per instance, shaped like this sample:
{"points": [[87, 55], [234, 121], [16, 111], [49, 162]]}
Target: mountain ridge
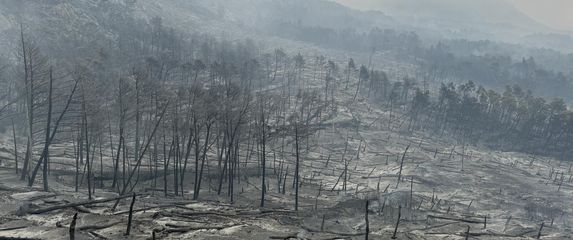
{"points": [[487, 19]]}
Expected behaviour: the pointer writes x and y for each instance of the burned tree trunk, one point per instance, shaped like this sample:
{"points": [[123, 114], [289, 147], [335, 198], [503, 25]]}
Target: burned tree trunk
{"points": [[140, 157], [199, 174], [46, 153], [130, 218], [540, 229], [263, 158], [397, 222], [401, 166], [297, 168], [367, 222], [29, 82], [15, 147], [72, 229], [86, 135], [53, 132]]}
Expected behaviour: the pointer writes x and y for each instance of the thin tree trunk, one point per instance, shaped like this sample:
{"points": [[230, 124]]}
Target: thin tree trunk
{"points": [[101, 162], [397, 222], [175, 165], [53, 132], [367, 222], [46, 153], [263, 159], [130, 218], [203, 159], [402, 165], [15, 147], [72, 229], [87, 153], [187, 153], [141, 155], [29, 103], [76, 155], [121, 138], [116, 162], [166, 160], [297, 166]]}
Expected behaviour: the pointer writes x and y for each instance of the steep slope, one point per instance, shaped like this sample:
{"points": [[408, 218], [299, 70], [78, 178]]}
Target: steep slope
{"points": [[61, 28], [486, 11], [444, 185], [248, 17]]}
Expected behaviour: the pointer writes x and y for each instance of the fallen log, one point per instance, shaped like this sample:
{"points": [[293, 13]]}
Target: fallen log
{"points": [[12, 228], [145, 209], [475, 234], [81, 209], [177, 215], [9, 189], [98, 236], [188, 229], [244, 213], [18, 238], [433, 227], [333, 232], [456, 219], [294, 236], [71, 205], [33, 198]]}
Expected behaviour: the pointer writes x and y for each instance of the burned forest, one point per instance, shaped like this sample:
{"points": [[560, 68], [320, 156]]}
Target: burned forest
{"points": [[271, 119]]}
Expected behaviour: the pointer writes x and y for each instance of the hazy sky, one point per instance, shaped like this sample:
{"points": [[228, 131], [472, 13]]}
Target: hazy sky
{"points": [[553, 13], [557, 14]]}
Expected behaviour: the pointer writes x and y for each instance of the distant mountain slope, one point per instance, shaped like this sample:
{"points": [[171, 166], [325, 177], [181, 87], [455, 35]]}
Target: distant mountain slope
{"points": [[314, 13], [67, 28], [240, 15], [63, 28], [474, 19], [465, 11]]}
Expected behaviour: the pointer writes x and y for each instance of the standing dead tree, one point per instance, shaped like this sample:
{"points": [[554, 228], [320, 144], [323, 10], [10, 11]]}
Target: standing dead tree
{"points": [[72, 229], [140, 158], [15, 147], [130, 216], [52, 135], [46, 153], [122, 119], [540, 229], [367, 221], [402, 165], [199, 169], [263, 143], [297, 168], [35, 66], [397, 222]]}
